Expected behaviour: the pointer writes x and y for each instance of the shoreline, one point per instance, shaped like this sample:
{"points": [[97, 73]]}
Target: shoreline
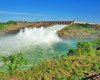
{"points": [[79, 37]]}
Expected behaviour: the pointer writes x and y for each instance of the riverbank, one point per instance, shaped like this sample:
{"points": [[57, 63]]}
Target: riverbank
{"points": [[83, 63], [79, 31], [11, 26]]}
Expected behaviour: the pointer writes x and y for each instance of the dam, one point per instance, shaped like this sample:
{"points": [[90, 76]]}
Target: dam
{"points": [[37, 24]]}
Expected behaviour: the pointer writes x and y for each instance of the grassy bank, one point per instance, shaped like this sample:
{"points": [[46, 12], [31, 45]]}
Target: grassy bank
{"points": [[77, 64], [79, 31], [66, 68], [5, 25], [9, 26]]}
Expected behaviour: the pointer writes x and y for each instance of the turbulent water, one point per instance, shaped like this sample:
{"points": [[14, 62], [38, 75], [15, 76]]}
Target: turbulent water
{"points": [[36, 44], [29, 37]]}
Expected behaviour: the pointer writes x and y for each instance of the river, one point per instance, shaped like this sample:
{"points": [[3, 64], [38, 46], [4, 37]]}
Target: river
{"points": [[37, 44]]}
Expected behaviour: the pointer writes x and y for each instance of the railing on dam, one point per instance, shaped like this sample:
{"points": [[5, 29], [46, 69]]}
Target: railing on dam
{"points": [[56, 22], [41, 23]]}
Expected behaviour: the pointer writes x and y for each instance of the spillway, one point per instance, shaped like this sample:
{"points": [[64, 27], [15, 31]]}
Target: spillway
{"points": [[29, 37]]}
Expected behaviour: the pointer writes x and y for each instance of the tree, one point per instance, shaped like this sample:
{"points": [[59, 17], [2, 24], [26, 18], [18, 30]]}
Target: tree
{"points": [[11, 22]]}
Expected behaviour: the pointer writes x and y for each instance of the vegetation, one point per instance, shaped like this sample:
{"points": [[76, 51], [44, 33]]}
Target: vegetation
{"points": [[79, 31], [77, 64], [13, 62], [6, 24], [96, 43], [80, 62]]}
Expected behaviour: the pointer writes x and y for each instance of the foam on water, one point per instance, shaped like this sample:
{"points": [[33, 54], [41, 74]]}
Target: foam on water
{"points": [[37, 44], [30, 36]]}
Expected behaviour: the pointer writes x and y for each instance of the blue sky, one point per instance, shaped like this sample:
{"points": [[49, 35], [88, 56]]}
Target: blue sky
{"points": [[38, 10]]}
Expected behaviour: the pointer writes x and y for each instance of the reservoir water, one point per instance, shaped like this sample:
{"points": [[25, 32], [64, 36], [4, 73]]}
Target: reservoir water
{"points": [[37, 44]]}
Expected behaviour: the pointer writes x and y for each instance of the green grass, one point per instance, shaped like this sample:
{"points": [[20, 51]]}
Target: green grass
{"points": [[69, 67], [5, 25], [65, 68], [78, 30]]}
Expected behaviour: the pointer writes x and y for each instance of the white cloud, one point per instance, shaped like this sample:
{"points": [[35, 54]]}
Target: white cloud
{"points": [[21, 13], [22, 16]]}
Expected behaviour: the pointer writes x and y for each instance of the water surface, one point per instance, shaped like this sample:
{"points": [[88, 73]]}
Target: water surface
{"points": [[37, 44]]}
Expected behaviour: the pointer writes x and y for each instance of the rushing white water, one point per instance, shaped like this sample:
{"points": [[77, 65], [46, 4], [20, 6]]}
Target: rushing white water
{"points": [[37, 44], [30, 36]]}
